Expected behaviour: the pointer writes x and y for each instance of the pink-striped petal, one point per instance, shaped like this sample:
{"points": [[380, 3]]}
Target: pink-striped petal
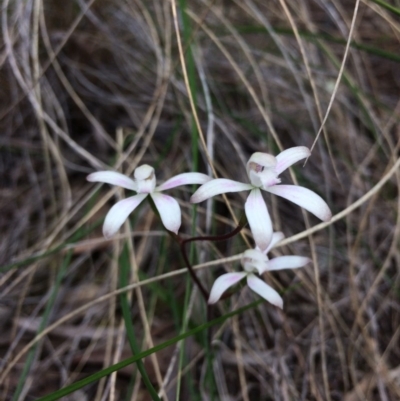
{"points": [[184, 179], [169, 210], [264, 290], [216, 187], [286, 262], [222, 283], [119, 213], [258, 218], [290, 156], [305, 198], [276, 238], [113, 178]]}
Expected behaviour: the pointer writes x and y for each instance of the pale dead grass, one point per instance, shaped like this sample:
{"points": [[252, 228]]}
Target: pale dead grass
{"points": [[103, 84]]}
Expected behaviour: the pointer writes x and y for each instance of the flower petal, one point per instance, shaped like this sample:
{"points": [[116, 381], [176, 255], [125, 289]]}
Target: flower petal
{"points": [[286, 262], [254, 259], [184, 179], [305, 198], [261, 170], [113, 178], [143, 172], [145, 179], [169, 210], [290, 156], [255, 254], [264, 290], [222, 283], [276, 238], [216, 187], [119, 213], [258, 218], [261, 159]]}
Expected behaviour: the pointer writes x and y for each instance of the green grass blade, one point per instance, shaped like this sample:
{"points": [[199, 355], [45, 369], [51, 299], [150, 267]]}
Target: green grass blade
{"points": [[81, 233], [43, 323], [310, 36], [191, 71], [105, 372], [388, 6], [124, 266]]}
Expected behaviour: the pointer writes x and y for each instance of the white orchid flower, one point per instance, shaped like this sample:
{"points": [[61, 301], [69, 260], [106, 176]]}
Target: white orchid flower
{"points": [[263, 171], [256, 261], [144, 183]]}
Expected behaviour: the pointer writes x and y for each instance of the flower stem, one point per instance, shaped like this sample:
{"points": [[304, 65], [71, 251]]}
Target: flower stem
{"points": [[182, 245], [200, 286], [183, 242], [217, 237]]}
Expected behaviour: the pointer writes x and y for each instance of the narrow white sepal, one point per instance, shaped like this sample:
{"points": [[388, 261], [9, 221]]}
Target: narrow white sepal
{"points": [[259, 219], [119, 213], [216, 187], [184, 179], [264, 290], [276, 238], [169, 210], [286, 262], [222, 283], [305, 198], [113, 178], [290, 156]]}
